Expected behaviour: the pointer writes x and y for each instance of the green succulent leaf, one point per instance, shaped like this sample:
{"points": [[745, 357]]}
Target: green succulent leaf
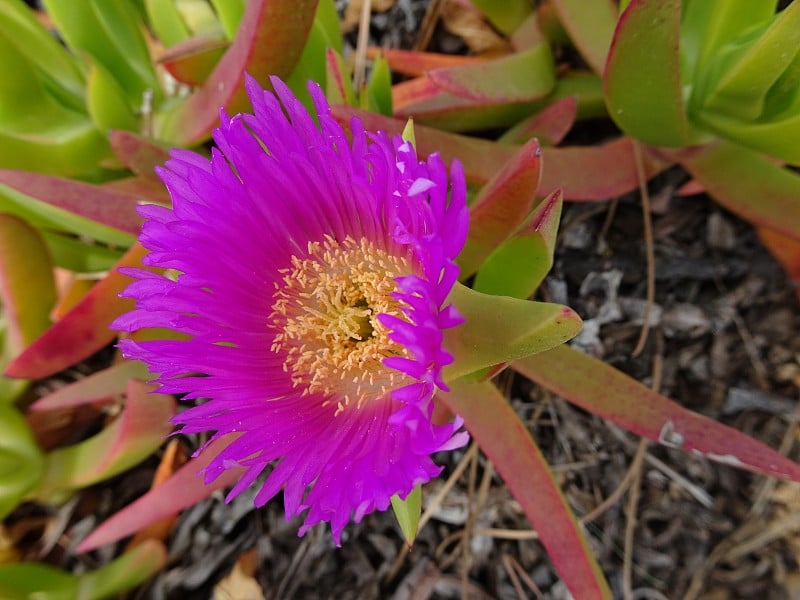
{"points": [[549, 125], [138, 431], [199, 18], [185, 488], [62, 204], [507, 16], [324, 34], [606, 170], [378, 96], [586, 88], [270, 41], [23, 581], [708, 27], [783, 98], [80, 256], [230, 14], [21, 460], [167, 21], [106, 101], [408, 512], [752, 67], [67, 144], [499, 329], [141, 155], [98, 386], [338, 82], [777, 138], [84, 329], [37, 132], [590, 26], [749, 184], [27, 294], [27, 580], [111, 33], [519, 265], [60, 72], [501, 206], [609, 393], [643, 85], [498, 430], [520, 77]]}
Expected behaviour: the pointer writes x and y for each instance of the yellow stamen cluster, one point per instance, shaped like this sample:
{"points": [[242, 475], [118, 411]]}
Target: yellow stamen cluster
{"points": [[325, 310]]}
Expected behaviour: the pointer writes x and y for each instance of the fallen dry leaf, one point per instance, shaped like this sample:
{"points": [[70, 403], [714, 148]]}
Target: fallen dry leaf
{"points": [[240, 584], [463, 20]]}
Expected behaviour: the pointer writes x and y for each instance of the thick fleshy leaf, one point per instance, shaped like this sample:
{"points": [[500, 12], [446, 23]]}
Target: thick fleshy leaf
{"points": [[230, 13], [786, 251], [141, 155], [501, 206], [708, 27], [269, 42], [505, 439], [124, 573], [325, 33], [112, 34], [411, 93], [106, 101], [192, 60], [596, 172], [742, 89], [75, 149], [520, 77], [51, 138], [21, 28], [581, 172], [645, 57], [519, 265], [85, 328], [549, 125], [145, 188], [185, 488], [75, 254], [408, 513], [586, 88], [136, 433], [377, 95], [427, 102], [27, 580], [613, 395], [416, 64], [27, 294], [747, 183], [776, 138], [98, 386], [590, 26], [71, 290], [99, 205], [21, 460], [482, 159], [500, 329], [166, 21], [338, 81], [507, 16]]}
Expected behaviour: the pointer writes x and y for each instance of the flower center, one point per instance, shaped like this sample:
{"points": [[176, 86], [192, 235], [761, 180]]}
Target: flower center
{"points": [[326, 312]]}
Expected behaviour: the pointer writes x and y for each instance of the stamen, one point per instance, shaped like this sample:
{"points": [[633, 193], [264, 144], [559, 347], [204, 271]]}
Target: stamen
{"points": [[326, 313]]}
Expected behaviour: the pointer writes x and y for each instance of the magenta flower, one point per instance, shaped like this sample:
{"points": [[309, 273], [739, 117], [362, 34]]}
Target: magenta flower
{"points": [[311, 286]]}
